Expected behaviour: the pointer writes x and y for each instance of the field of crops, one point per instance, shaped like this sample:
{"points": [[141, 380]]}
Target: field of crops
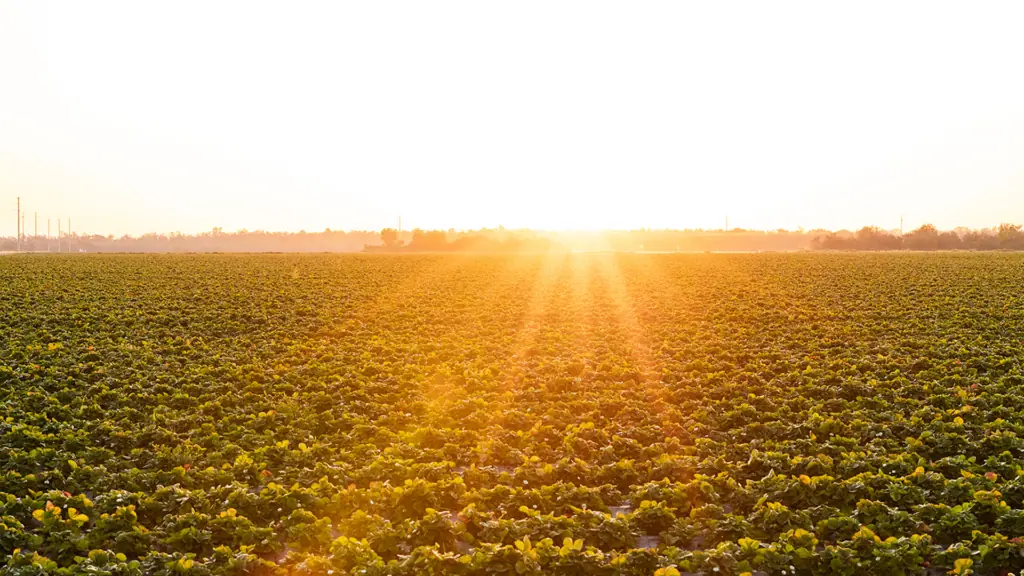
{"points": [[549, 414]]}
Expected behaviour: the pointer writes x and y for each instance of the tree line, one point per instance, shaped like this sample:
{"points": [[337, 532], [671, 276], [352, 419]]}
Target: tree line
{"points": [[215, 240], [927, 237], [485, 240]]}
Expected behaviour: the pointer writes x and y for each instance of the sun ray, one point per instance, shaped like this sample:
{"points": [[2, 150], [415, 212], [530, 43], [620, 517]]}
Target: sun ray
{"points": [[550, 268], [626, 317]]}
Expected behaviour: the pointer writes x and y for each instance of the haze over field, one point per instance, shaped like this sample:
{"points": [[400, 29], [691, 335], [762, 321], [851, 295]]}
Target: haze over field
{"points": [[137, 117]]}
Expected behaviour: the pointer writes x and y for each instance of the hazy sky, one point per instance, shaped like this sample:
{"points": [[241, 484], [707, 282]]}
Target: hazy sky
{"points": [[144, 116]]}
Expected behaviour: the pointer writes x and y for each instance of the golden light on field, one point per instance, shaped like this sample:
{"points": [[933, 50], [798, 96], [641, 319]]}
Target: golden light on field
{"points": [[137, 117], [462, 287]]}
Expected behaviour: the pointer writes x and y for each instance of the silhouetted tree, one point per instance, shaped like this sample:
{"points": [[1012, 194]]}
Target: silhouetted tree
{"points": [[1010, 236], [980, 240], [874, 238], [429, 240], [924, 238], [950, 241], [389, 236]]}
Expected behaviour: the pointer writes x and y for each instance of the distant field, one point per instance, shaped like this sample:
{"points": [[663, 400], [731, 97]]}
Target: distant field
{"points": [[566, 414]]}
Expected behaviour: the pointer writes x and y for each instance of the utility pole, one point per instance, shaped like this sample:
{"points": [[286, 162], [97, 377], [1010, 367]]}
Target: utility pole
{"points": [[58, 235], [48, 234], [901, 225], [19, 223]]}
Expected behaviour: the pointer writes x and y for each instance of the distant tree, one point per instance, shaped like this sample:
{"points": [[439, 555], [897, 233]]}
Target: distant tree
{"points": [[924, 238], [389, 236], [834, 241], [950, 241], [980, 240], [431, 240], [1010, 236], [874, 238]]}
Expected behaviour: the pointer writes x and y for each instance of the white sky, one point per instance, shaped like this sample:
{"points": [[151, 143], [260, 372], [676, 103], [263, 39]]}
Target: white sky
{"points": [[143, 116]]}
